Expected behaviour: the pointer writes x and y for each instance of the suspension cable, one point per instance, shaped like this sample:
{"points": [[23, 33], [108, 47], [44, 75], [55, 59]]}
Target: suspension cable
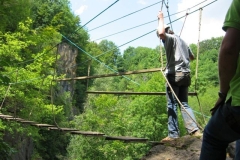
{"points": [[97, 15], [168, 14], [123, 16], [137, 37], [184, 22]]}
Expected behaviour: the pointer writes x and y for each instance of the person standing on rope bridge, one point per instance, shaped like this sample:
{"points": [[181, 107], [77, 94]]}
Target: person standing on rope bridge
{"points": [[177, 72], [224, 125]]}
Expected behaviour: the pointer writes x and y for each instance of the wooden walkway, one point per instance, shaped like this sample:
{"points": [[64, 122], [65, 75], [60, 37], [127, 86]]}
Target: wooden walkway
{"points": [[74, 131], [111, 75], [133, 93]]}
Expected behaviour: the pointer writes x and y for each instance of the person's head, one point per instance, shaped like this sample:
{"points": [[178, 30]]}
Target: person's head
{"points": [[167, 29]]}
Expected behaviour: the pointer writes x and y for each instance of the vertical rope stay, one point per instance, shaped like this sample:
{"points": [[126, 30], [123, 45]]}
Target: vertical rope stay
{"points": [[5, 96], [184, 23], [89, 67], [198, 48], [15, 108], [51, 85]]}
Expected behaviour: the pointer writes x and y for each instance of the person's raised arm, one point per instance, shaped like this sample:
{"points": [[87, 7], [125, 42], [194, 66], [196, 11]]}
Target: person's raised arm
{"points": [[161, 29]]}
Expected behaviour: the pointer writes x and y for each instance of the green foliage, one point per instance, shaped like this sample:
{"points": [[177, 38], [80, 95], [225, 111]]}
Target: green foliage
{"points": [[12, 12], [140, 58], [209, 44], [110, 54]]}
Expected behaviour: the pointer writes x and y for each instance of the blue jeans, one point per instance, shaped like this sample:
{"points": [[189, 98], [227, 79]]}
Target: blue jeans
{"points": [[221, 130], [172, 107]]}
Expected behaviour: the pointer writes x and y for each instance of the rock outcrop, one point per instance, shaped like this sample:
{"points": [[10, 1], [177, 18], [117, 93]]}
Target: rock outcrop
{"points": [[184, 148]]}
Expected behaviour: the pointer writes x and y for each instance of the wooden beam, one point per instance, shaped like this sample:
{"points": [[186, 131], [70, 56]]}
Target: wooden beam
{"points": [[42, 125], [87, 133], [133, 93], [14, 118], [5, 116], [61, 129], [25, 121], [111, 75], [126, 139]]}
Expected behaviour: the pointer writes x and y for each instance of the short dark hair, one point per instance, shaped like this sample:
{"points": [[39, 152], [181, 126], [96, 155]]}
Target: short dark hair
{"points": [[169, 31]]}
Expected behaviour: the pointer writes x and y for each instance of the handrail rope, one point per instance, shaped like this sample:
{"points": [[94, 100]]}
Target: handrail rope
{"points": [[97, 15], [141, 35], [99, 60], [140, 10], [5, 97], [197, 59], [147, 22], [51, 85], [123, 16], [184, 23]]}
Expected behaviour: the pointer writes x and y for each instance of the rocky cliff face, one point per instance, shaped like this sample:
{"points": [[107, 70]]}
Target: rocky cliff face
{"points": [[184, 148], [67, 65]]}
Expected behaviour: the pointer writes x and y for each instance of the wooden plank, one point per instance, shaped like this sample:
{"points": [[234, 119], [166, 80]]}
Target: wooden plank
{"points": [[62, 129], [14, 118], [26, 122], [5, 116], [133, 93], [42, 125], [126, 139], [154, 143], [111, 75], [87, 133]]}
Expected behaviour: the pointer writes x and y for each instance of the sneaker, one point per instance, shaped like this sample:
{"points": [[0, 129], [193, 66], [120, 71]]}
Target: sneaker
{"points": [[168, 139], [196, 133]]}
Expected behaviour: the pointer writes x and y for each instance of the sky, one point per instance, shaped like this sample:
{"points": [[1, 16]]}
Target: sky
{"points": [[132, 13]]}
